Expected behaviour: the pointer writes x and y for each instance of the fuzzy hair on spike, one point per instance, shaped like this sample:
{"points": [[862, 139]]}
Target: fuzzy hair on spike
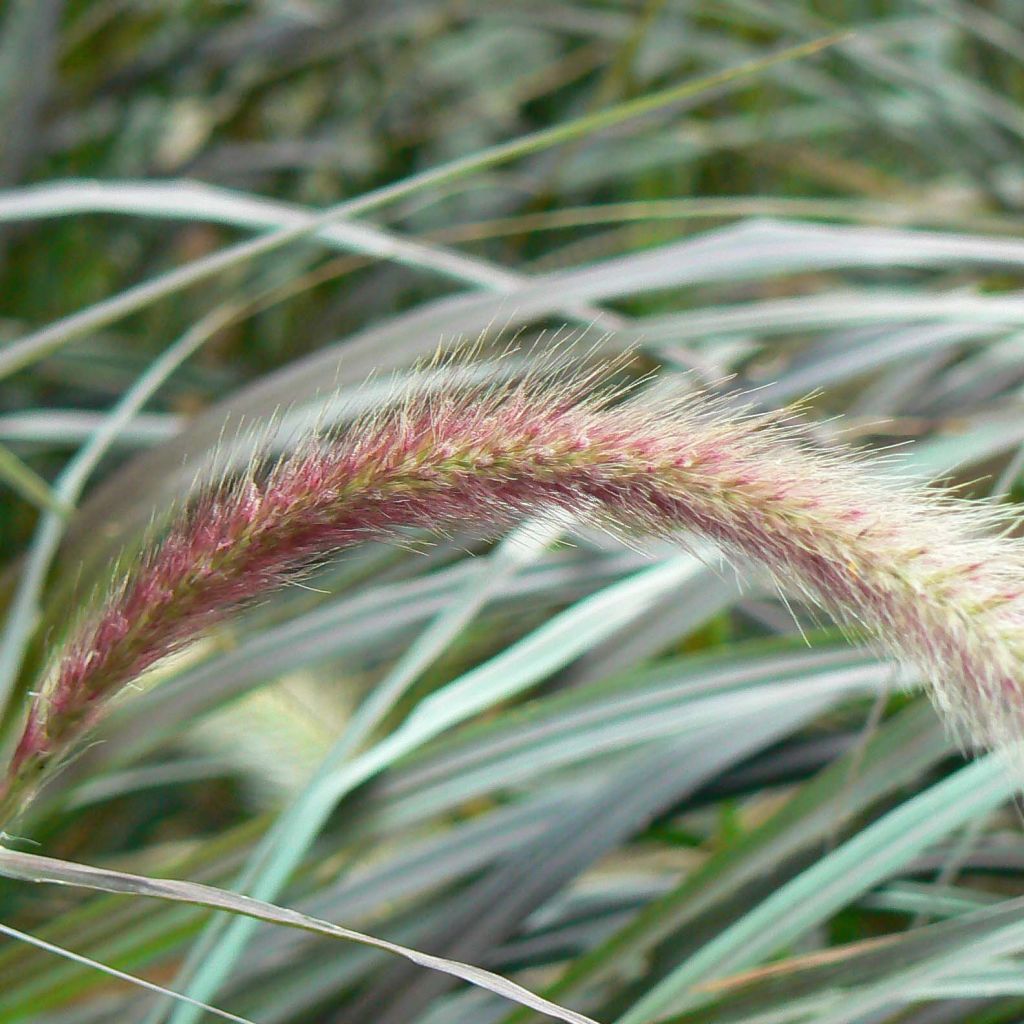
{"points": [[931, 578]]}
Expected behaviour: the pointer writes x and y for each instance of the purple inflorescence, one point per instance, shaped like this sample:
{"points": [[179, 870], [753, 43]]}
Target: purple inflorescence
{"points": [[921, 573]]}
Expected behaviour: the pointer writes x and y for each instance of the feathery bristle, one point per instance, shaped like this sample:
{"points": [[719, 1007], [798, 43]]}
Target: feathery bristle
{"points": [[923, 574]]}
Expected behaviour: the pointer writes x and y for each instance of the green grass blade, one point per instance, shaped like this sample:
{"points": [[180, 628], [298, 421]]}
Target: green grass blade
{"points": [[900, 752], [32, 868], [28, 483], [854, 867], [510, 673], [47, 340], [291, 836], [120, 975]]}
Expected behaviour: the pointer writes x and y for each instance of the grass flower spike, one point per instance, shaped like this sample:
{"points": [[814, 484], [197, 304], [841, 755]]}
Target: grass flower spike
{"points": [[925, 575]]}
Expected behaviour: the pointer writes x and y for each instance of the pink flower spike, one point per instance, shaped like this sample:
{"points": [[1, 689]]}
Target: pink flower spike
{"points": [[933, 579]]}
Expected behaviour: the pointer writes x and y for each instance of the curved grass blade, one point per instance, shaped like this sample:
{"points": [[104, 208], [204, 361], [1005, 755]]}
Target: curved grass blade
{"points": [[49, 339], [758, 690], [836, 310], [192, 201], [28, 867]]}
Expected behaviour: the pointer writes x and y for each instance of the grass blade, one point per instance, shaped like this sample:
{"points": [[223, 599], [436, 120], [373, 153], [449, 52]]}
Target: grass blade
{"points": [[47, 340], [28, 483], [849, 870], [32, 868], [121, 975]]}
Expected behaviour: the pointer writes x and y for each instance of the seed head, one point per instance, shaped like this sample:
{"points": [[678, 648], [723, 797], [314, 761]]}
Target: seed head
{"points": [[931, 578]]}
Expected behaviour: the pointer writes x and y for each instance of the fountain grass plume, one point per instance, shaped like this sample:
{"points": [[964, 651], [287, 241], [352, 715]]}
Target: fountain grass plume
{"points": [[934, 579]]}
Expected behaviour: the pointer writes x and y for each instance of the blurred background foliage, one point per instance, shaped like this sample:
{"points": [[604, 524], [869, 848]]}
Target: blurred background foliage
{"points": [[618, 776]]}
